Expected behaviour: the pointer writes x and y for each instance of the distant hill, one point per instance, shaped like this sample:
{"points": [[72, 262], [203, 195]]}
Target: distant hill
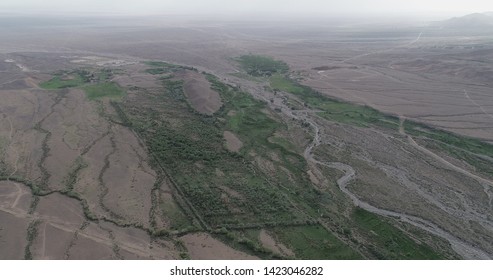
{"points": [[472, 21]]}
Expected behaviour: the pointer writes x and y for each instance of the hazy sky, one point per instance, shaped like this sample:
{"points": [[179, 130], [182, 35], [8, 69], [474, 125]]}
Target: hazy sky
{"points": [[281, 7]]}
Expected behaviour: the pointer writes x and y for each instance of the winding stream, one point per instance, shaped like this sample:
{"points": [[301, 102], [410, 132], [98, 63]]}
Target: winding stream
{"points": [[464, 249]]}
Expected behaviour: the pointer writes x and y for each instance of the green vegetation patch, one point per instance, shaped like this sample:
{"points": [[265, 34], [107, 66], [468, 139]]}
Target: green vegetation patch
{"points": [[280, 82], [264, 185], [227, 189], [246, 241], [77, 78], [67, 80], [466, 143], [246, 117], [283, 142], [473, 151], [388, 241], [97, 84], [260, 66], [32, 233], [332, 109], [315, 243], [157, 71], [178, 220], [103, 90]]}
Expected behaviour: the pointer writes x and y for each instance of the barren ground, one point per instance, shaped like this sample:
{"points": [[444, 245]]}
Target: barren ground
{"points": [[202, 246], [199, 93]]}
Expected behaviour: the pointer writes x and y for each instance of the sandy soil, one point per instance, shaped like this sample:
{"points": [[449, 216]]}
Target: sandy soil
{"points": [[14, 204], [136, 242], [88, 183], [21, 145], [63, 232], [135, 76], [64, 210], [202, 246], [45, 136], [98, 251], [270, 243], [12, 237], [199, 93], [233, 143], [52, 242], [74, 124], [313, 178], [15, 196], [128, 178]]}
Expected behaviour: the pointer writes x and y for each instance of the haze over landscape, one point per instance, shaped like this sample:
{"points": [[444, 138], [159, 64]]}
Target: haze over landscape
{"points": [[310, 8], [246, 129]]}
